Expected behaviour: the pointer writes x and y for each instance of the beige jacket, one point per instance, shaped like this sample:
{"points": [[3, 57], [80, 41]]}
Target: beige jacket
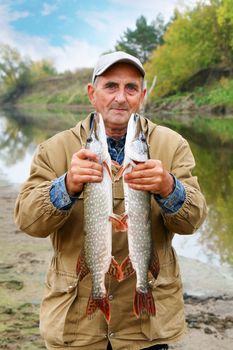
{"points": [[63, 322]]}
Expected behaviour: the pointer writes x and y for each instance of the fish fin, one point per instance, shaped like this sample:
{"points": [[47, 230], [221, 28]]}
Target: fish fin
{"points": [[119, 222], [116, 164], [131, 164], [154, 264], [119, 173], [127, 267], [115, 270], [81, 268], [144, 303], [102, 304], [105, 164]]}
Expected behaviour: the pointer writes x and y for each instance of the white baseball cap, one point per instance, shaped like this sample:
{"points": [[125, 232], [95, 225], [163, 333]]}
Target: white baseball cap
{"points": [[106, 61]]}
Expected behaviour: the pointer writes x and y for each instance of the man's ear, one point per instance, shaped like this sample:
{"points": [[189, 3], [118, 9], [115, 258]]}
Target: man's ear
{"points": [[143, 94], [91, 93]]}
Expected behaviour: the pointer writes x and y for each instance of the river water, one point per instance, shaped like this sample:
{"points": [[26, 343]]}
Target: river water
{"points": [[213, 242]]}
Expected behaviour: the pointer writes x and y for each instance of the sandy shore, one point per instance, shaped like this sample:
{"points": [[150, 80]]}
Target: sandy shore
{"points": [[23, 263]]}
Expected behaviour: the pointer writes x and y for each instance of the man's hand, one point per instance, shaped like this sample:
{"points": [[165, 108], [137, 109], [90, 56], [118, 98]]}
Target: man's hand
{"points": [[84, 167], [151, 176]]}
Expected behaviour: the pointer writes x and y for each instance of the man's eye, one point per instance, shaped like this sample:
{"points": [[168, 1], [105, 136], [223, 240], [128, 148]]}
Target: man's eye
{"points": [[111, 86], [131, 88]]}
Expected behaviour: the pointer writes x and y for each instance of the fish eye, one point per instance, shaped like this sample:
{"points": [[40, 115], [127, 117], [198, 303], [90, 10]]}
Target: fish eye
{"points": [[89, 139], [142, 137]]}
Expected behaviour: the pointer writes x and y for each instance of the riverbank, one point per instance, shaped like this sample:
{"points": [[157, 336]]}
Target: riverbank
{"points": [[205, 95], [189, 105], [23, 263]]}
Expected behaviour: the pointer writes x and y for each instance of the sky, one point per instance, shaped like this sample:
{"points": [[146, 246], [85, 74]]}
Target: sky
{"points": [[73, 33]]}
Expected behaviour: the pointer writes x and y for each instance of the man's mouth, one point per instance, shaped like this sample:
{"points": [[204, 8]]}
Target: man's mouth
{"points": [[120, 109]]}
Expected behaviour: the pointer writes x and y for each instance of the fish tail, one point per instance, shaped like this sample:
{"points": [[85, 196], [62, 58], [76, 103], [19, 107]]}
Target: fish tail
{"points": [[119, 222], [154, 264], [115, 270], [102, 304], [81, 267], [127, 267], [144, 303]]}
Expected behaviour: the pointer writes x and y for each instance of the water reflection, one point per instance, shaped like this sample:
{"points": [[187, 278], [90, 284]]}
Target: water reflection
{"points": [[214, 168], [212, 243], [21, 132]]}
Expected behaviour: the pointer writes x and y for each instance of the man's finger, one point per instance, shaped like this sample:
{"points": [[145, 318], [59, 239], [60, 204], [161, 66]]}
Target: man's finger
{"points": [[90, 171], [83, 179], [87, 154], [145, 180], [87, 164], [146, 173]]}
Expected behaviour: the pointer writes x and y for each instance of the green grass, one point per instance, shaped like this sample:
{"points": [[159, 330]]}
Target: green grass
{"points": [[219, 94]]}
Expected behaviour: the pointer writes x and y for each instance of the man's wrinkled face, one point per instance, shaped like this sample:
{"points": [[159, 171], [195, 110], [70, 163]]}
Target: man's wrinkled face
{"points": [[117, 94]]}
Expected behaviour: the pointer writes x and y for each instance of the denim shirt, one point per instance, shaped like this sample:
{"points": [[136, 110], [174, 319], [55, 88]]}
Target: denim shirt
{"points": [[62, 200]]}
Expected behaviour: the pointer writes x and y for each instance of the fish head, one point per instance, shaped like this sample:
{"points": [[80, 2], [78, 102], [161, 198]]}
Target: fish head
{"points": [[136, 147], [97, 140]]}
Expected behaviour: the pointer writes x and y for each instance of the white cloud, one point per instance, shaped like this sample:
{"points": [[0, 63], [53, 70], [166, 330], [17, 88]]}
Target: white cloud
{"points": [[17, 15], [11, 15], [72, 55], [76, 54], [48, 9]]}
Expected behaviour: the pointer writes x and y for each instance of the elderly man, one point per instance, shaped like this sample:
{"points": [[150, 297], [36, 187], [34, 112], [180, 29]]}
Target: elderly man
{"points": [[51, 204]]}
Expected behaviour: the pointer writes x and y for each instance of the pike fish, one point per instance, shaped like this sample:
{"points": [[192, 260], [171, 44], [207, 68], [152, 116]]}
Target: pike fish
{"points": [[96, 257], [142, 257]]}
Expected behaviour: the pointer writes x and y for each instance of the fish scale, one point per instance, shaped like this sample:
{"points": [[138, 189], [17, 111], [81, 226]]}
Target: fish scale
{"points": [[96, 257], [142, 254], [139, 234]]}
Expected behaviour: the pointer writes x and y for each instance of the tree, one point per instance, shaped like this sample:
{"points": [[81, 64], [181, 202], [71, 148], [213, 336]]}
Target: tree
{"points": [[17, 73], [144, 39], [194, 40], [225, 21], [42, 69], [13, 68]]}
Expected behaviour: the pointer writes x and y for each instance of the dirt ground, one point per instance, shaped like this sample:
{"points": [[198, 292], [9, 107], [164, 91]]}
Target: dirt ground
{"points": [[23, 263]]}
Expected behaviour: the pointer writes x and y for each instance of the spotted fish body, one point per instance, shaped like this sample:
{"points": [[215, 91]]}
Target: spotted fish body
{"points": [[97, 258], [141, 257]]}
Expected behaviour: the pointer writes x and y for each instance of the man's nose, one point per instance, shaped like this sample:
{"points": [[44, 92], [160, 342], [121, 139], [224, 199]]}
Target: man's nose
{"points": [[120, 96]]}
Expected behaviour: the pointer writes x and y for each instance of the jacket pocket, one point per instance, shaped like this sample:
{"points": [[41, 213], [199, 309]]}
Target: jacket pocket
{"points": [[169, 322], [58, 312]]}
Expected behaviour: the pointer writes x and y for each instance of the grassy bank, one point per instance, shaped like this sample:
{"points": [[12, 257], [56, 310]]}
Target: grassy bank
{"points": [[65, 89], [214, 98], [220, 93], [70, 89]]}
